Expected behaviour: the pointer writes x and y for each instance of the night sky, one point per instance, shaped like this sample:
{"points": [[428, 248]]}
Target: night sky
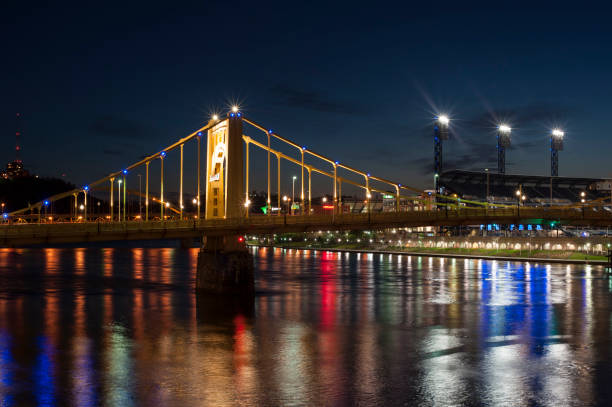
{"points": [[100, 87]]}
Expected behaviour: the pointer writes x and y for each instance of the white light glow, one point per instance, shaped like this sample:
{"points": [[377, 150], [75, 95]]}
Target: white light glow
{"points": [[558, 133], [504, 128], [443, 119]]}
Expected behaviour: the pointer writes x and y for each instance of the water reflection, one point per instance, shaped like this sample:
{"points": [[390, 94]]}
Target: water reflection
{"points": [[119, 326]]}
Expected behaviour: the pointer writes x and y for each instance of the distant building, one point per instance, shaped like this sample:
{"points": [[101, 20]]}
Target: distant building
{"points": [[14, 169], [537, 190]]}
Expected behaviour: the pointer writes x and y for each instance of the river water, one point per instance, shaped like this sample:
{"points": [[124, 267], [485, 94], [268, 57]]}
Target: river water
{"points": [[122, 326]]}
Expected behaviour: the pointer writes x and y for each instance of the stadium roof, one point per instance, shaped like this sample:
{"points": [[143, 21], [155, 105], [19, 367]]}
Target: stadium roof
{"points": [[453, 177]]}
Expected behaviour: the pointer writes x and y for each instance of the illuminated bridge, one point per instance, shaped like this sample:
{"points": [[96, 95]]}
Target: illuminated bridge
{"points": [[226, 213]]}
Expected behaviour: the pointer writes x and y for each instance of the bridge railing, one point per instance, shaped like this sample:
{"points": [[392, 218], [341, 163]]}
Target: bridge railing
{"points": [[265, 224]]}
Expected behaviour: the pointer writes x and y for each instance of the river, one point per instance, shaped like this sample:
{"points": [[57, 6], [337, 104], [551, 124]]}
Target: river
{"points": [[122, 326]]}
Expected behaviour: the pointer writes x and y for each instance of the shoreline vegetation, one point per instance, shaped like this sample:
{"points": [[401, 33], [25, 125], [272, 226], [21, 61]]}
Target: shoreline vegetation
{"points": [[554, 256]]}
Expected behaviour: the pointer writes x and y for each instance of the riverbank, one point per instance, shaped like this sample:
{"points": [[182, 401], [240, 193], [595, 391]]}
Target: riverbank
{"points": [[542, 256]]}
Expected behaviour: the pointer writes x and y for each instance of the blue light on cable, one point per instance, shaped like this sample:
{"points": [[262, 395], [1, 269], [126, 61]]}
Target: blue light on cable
{"points": [[46, 203]]}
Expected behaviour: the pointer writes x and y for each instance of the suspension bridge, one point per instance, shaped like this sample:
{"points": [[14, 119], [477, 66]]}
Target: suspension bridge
{"points": [[222, 207]]}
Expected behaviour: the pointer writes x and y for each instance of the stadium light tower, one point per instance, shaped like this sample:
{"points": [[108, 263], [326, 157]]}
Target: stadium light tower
{"points": [[556, 145], [503, 141], [440, 133]]}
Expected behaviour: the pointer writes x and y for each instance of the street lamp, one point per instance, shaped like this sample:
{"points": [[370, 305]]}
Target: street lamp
{"points": [[324, 199]]}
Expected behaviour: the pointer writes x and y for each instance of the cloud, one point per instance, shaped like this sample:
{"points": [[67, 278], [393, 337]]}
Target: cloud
{"points": [[315, 101], [118, 127], [108, 151]]}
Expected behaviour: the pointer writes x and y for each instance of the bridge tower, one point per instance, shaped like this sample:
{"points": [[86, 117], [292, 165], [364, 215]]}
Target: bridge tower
{"points": [[225, 169], [224, 265]]}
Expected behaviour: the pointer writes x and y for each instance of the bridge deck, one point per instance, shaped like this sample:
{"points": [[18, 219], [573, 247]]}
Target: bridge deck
{"points": [[52, 233]]}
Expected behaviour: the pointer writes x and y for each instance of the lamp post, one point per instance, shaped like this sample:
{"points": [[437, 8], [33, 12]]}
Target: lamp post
{"points": [[140, 196], [119, 181]]}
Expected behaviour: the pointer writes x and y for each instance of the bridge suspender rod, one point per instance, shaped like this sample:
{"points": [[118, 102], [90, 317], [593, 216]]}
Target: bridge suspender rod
{"points": [[181, 186], [76, 213], [269, 202], [302, 182], [119, 203], [112, 184], [161, 192], [124, 198], [335, 188], [246, 181], [199, 183], [147, 191], [368, 193], [278, 158], [309, 192]]}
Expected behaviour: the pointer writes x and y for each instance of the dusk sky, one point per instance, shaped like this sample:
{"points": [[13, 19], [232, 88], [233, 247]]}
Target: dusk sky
{"points": [[99, 89]]}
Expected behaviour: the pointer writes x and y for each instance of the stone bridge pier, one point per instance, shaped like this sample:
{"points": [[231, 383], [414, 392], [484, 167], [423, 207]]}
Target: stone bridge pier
{"points": [[225, 267]]}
